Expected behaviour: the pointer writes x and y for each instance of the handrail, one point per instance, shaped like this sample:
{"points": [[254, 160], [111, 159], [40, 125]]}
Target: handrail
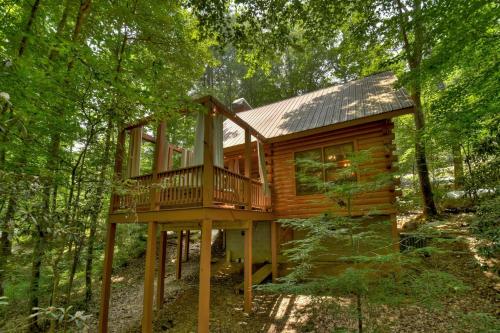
{"points": [[235, 174], [183, 187]]}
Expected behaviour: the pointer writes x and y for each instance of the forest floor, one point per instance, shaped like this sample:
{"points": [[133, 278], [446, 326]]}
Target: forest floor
{"points": [[473, 311]]}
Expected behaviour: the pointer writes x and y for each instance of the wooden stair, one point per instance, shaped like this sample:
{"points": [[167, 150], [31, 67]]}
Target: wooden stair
{"points": [[260, 275]]}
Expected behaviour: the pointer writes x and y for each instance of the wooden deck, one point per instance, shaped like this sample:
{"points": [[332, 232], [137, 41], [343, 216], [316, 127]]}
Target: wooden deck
{"points": [[183, 188]]}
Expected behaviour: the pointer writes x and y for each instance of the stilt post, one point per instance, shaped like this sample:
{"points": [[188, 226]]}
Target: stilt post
{"points": [[160, 288], [204, 293], [274, 250], [147, 314], [248, 268], [106, 278], [186, 244], [178, 259]]}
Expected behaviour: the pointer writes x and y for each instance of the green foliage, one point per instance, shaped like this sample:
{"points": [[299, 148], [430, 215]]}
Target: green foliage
{"points": [[64, 316], [66, 85], [486, 225], [480, 322], [431, 288]]}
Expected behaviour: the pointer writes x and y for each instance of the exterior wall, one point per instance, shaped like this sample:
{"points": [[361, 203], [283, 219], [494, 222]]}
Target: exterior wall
{"points": [[376, 136], [261, 243]]}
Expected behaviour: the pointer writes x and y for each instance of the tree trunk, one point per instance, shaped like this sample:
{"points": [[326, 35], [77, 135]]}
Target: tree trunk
{"points": [[421, 160], [359, 311], [80, 19], [458, 166], [5, 243], [414, 51], [27, 29], [94, 217], [35, 277]]}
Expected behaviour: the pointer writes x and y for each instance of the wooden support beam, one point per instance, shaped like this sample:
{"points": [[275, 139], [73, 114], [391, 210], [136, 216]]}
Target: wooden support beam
{"points": [[158, 164], [160, 288], [178, 259], [208, 161], [106, 278], [147, 312], [221, 108], [204, 293], [274, 250], [227, 217], [186, 244], [118, 170], [248, 169], [134, 156], [248, 269]]}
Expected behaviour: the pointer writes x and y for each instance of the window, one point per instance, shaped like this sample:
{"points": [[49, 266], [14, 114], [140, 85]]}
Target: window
{"points": [[306, 167], [320, 164], [336, 157]]}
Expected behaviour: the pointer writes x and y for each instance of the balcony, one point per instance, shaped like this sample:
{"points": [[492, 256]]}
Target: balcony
{"points": [[183, 188]]}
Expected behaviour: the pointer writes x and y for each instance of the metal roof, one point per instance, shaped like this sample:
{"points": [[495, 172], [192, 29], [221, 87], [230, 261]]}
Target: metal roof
{"points": [[361, 98]]}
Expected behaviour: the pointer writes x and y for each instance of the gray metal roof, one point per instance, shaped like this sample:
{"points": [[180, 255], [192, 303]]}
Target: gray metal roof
{"points": [[361, 98]]}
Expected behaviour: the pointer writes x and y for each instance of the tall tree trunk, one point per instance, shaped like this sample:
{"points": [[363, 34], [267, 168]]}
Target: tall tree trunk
{"points": [[52, 164], [458, 166], [96, 210], [421, 160], [5, 243], [34, 300], [27, 29], [80, 19], [414, 51]]}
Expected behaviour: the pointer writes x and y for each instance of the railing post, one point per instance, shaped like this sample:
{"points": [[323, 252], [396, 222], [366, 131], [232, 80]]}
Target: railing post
{"points": [[208, 161], [158, 164], [120, 147], [248, 168]]}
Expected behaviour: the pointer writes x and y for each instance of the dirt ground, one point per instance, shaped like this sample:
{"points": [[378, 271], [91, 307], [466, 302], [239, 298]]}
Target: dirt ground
{"points": [[274, 313]]}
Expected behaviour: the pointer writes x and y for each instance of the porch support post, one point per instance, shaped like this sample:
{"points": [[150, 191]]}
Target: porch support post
{"points": [[178, 260], [160, 288], [208, 160], [204, 293], [186, 245], [147, 314], [248, 268], [248, 168], [106, 278], [274, 250]]}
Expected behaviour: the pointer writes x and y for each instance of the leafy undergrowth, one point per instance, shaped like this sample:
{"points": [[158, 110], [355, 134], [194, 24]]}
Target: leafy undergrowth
{"points": [[449, 291]]}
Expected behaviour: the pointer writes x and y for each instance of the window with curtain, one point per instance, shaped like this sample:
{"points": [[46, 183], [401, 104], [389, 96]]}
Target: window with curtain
{"points": [[320, 164]]}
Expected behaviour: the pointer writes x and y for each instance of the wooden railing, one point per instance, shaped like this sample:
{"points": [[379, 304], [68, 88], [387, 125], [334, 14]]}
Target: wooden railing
{"points": [[229, 187], [137, 193], [259, 198], [184, 188], [181, 187]]}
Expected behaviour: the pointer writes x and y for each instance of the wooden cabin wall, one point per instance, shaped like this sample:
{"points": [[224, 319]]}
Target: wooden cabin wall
{"points": [[376, 136]]}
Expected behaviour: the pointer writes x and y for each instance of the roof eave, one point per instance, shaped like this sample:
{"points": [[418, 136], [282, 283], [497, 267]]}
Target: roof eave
{"points": [[332, 127]]}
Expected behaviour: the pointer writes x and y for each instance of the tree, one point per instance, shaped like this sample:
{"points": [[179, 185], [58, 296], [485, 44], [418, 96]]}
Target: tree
{"points": [[373, 35], [84, 69]]}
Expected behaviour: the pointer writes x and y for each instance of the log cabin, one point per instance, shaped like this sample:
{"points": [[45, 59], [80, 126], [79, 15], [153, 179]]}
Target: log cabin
{"points": [[242, 178]]}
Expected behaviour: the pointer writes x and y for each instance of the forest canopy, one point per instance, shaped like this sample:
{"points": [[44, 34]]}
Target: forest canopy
{"points": [[73, 72]]}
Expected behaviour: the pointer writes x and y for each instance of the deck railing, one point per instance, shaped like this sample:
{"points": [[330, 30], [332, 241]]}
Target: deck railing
{"points": [[134, 193], [181, 187], [229, 187], [184, 188], [259, 198]]}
